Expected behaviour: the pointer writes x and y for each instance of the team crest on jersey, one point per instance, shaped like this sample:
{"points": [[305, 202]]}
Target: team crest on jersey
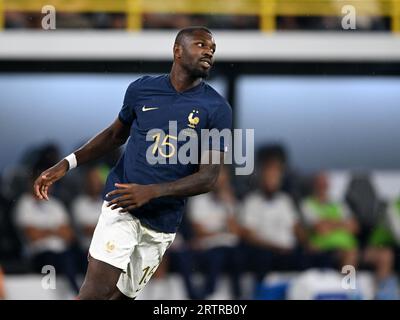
{"points": [[110, 246], [193, 119]]}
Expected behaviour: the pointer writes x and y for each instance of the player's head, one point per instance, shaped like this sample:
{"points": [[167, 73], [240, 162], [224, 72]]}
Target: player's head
{"points": [[194, 50]]}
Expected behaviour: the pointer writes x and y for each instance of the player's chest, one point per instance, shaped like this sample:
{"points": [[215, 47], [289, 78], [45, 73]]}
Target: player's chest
{"points": [[158, 112]]}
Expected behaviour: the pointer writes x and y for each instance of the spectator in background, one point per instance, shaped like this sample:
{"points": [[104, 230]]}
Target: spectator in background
{"points": [[364, 201], [15, 176], [47, 232], [86, 208], [374, 21], [271, 230], [332, 227], [166, 21], [10, 246], [215, 233], [383, 252], [180, 258]]}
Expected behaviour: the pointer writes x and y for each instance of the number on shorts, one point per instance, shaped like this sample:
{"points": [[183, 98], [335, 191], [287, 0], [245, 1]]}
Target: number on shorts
{"points": [[147, 273]]}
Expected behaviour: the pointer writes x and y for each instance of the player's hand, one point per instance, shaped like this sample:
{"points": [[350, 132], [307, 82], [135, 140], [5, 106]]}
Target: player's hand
{"points": [[47, 178], [130, 196]]}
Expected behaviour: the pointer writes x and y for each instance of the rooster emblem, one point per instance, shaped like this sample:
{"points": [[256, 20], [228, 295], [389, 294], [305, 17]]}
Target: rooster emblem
{"points": [[193, 120]]}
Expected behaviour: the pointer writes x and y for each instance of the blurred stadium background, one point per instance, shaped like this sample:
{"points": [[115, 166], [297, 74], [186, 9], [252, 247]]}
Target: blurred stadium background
{"points": [[324, 102]]}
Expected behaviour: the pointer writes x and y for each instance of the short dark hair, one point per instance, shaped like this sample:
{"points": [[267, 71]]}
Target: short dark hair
{"points": [[188, 32], [273, 152]]}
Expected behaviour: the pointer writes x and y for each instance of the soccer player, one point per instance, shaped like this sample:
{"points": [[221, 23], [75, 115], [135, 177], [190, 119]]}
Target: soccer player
{"points": [[144, 202]]}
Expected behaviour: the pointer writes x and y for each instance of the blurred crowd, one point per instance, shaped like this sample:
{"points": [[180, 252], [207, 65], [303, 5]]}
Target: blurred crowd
{"points": [[20, 20], [275, 220]]}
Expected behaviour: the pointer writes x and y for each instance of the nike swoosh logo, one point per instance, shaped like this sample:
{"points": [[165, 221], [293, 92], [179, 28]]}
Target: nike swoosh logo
{"points": [[144, 109]]}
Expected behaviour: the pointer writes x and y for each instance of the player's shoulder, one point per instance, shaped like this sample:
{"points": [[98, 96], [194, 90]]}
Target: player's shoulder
{"points": [[147, 81], [216, 99]]}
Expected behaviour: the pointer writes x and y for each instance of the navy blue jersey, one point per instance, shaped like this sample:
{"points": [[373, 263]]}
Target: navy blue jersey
{"points": [[150, 103]]}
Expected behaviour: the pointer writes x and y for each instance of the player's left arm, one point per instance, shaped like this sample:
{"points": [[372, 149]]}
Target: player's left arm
{"points": [[131, 196]]}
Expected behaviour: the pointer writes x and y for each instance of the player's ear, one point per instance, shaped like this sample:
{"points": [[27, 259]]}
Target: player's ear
{"points": [[177, 51]]}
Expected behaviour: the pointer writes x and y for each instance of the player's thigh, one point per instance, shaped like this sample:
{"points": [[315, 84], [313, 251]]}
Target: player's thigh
{"points": [[100, 280], [114, 238], [145, 260], [118, 295], [113, 242]]}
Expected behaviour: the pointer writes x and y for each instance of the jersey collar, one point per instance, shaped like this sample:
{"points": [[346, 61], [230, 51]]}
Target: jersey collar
{"points": [[193, 90]]}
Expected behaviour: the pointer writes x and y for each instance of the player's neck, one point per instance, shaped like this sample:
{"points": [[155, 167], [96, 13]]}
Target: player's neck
{"points": [[181, 80]]}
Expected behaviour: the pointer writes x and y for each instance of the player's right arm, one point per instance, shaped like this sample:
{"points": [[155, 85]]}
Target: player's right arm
{"points": [[107, 140]]}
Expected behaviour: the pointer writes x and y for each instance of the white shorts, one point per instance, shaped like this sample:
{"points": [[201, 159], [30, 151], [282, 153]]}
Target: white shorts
{"points": [[123, 242]]}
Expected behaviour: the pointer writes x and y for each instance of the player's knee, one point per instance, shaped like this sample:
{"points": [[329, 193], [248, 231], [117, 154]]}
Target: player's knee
{"points": [[91, 291], [100, 281], [118, 295]]}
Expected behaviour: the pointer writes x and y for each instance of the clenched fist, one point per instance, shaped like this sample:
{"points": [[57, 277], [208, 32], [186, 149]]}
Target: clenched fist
{"points": [[131, 196]]}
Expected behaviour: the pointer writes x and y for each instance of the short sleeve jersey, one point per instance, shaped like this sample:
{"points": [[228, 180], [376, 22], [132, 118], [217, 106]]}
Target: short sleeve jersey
{"points": [[165, 125]]}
